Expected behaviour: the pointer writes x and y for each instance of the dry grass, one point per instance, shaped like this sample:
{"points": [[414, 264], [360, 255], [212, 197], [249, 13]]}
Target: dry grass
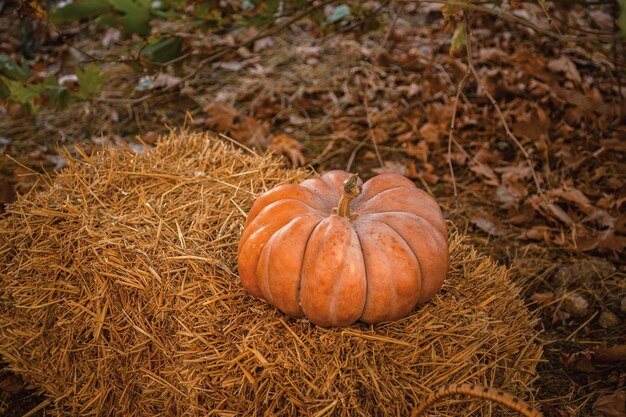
{"points": [[119, 296]]}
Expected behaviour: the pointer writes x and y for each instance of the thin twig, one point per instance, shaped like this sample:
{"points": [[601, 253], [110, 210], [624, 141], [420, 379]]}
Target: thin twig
{"points": [[371, 132], [452, 127], [542, 4], [508, 131]]}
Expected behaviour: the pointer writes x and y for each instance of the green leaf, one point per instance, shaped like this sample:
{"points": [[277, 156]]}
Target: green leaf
{"points": [[90, 80], [164, 50], [339, 13], [57, 96], [10, 69], [21, 93], [4, 90], [136, 18], [79, 9], [458, 38]]}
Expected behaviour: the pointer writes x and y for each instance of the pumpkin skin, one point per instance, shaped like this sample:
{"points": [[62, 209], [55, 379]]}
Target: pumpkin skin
{"points": [[374, 264]]}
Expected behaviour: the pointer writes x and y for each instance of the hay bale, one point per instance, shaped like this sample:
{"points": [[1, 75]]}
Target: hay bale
{"points": [[119, 296]]}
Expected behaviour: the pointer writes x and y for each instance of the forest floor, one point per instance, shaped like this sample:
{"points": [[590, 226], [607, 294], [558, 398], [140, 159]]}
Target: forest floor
{"points": [[519, 135]]}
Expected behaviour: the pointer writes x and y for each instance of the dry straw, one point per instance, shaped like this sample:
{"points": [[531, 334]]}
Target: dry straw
{"points": [[119, 295]]}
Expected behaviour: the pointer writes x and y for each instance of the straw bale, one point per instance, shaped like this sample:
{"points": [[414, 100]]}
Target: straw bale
{"points": [[119, 296]]}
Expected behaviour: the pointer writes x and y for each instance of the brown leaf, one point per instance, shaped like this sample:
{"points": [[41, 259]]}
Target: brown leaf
{"points": [[606, 239], [252, 132], [289, 147], [558, 213], [486, 172], [379, 135], [537, 233], [575, 304], [580, 362], [533, 129], [610, 405], [510, 194], [577, 197], [566, 66], [608, 320], [430, 132], [613, 354], [522, 215], [391, 167], [488, 224], [419, 151], [11, 383], [543, 299], [7, 193], [221, 116]]}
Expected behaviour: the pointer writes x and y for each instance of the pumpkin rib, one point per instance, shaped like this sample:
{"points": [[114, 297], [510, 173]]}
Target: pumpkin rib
{"points": [[364, 269], [426, 208], [322, 281], [322, 190], [268, 211], [306, 247], [259, 232], [367, 280], [410, 250], [383, 182], [263, 281], [400, 303], [435, 232], [292, 192], [439, 244], [339, 284]]}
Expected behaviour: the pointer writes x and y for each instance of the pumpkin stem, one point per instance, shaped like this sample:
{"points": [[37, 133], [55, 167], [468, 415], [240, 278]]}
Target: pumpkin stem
{"points": [[350, 190]]}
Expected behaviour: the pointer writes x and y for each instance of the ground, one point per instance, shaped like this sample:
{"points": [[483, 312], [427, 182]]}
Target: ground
{"points": [[519, 134]]}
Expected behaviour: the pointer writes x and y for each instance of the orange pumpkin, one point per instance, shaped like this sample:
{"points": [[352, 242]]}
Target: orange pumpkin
{"points": [[335, 251]]}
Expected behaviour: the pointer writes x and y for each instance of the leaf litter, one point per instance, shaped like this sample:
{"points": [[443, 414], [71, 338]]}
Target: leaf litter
{"points": [[304, 97]]}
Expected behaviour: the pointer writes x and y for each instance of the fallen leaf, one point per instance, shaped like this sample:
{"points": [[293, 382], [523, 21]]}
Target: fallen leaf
{"points": [[418, 151], [615, 353], [558, 213], [110, 37], [11, 383], [379, 135], [566, 66], [575, 304], [486, 172], [610, 405], [221, 116], [606, 239], [543, 299], [288, 146], [392, 167], [234, 66], [252, 132], [608, 320], [430, 132], [7, 193], [580, 362], [536, 233], [488, 224], [510, 195]]}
